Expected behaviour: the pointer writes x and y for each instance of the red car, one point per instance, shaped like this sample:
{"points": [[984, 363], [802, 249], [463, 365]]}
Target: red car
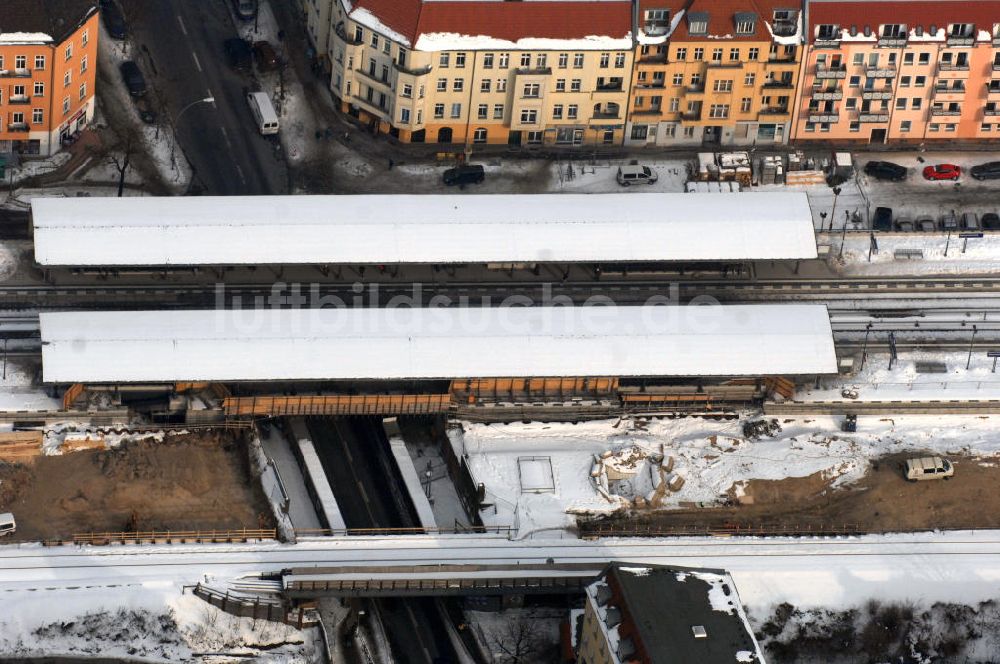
{"points": [[943, 172]]}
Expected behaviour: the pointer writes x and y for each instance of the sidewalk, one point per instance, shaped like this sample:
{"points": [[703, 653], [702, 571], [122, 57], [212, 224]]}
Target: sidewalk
{"points": [[81, 152], [300, 507]]}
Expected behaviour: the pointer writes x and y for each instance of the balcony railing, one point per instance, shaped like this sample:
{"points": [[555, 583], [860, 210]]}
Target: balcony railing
{"points": [[991, 111], [824, 118], [616, 87], [827, 43], [831, 72], [16, 73], [19, 99], [651, 84], [17, 127], [371, 106], [691, 116], [341, 32], [996, 66], [606, 115], [533, 71], [775, 111], [876, 94], [784, 28], [953, 66], [781, 85], [374, 78], [827, 95], [873, 117], [960, 41], [655, 110], [946, 111], [418, 71], [880, 72], [892, 42]]}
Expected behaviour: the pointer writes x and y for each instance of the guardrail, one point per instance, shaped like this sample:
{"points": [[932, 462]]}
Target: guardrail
{"points": [[378, 532], [171, 537], [593, 531]]}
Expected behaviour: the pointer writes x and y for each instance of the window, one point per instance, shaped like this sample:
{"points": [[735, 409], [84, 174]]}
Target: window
{"points": [[387, 47], [83, 64], [526, 59], [420, 92], [904, 126], [619, 61], [37, 116], [404, 116], [484, 85], [859, 59], [530, 90], [605, 60], [374, 41], [657, 21], [67, 78], [697, 26], [682, 54], [854, 81], [18, 118], [504, 60], [483, 111], [949, 127], [541, 61], [678, 79], [385, 73], [716, 55], [39, 89], [933, 127], [723, 86], [575, 85], [920, 81], [639, 132], [85, 38], [908, 58], [488, 61], [456, 110], [688, 132], [407, 90], [749, 79], [529, 116], [498, 111], [65, 106], [744, 27], [359, 33], [560, 85], [458, 85], [810, 126], [904, 81], [675, 104], [501, 85], [850, 103], [753, 54], [557, 112], [745, 105], [444, 61], [479, 136], [20, 62], [718, 111], [578, 61], [699, 53], [534, 137], [696, 80], [39, 62], [854, 126], [901, 104], [563, 60], [83, 91], [442, 85], [916, 103], [924, 58], [734, 54], [460, 60], [69, 51], [439, 110], [572, 111], [669, 130]]}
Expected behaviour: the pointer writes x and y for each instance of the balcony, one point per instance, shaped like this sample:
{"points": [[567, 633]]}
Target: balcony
{"points": [[876, 94], [996, 66], [19, 99], [827, 43], [949, 94], [785, 28], [403, 69], [893, 41], [17, 127], [653, 59], [961, 41], [341, 33], [605, 115], [880, 72], [824, 118], [779, 85], [691, 116], [654, 110], [831, 72], [991, 112], [651, 85], [615, 87], [776, 113], [533, 71], [868, 118], [953, 66], [828, 95], [368, 76], [371, 106], [15, 73], [946, 112]]}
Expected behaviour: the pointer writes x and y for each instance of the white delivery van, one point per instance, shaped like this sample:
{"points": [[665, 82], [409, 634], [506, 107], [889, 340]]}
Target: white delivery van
{"points": [[928, 468], [7, 525], [263, 112]]}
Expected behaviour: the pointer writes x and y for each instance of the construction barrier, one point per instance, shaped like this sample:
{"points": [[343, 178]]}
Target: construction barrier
{"points": [[337, 404], [176, 536]]}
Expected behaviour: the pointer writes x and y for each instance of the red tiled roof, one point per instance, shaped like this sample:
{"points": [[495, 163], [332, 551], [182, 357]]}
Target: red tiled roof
{"points": [[563, 19], [912, 13], [721, 18]]}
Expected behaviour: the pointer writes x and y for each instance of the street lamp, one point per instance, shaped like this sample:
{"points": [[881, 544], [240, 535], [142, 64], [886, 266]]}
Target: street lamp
{"points": [[833, 211], [177, 121]]}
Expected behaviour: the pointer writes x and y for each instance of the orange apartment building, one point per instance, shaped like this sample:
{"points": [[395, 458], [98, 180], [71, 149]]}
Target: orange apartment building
{"points": [[48, 64], [715, 72], [900, 71]]}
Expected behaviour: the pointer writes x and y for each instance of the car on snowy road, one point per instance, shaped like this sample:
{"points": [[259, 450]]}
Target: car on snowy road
{"points": [[928, 468], [988, 171], [885, 170], [134, 80], [7, 524], [943, 172], [926, 224], [882, 220], [990, 221]]}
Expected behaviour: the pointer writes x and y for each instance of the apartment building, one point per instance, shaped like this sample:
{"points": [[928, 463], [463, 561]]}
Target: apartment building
{"points": [[48, 60], [900, 71], [552, 72], [653, 614], [715, 71]]}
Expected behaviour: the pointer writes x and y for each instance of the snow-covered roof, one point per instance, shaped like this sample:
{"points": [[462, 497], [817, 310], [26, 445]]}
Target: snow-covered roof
{"points": [[332, 344], [286, 230]]}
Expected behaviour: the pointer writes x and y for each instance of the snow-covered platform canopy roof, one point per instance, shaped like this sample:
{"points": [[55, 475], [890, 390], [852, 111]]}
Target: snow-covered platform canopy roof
{"points": [[431, 229], [349, 344]]}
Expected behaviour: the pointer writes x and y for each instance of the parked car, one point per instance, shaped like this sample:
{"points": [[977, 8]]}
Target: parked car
{"points": [[114, 20], [990, 221], [943, 172], [988, 171], [949, 222], [882, 220], [146, 112], [134, 80], [885, 170], [464, 174], [245, 9], [904, 225], [970, 221], [634, 174], [239, 53], [265, 56], [928, 468], [926, 224], [7, 524]]}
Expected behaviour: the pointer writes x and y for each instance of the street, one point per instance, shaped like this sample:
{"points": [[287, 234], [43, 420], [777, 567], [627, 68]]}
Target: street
{"points": [[182, 51]]}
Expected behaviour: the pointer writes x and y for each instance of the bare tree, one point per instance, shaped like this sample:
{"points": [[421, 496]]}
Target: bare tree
{"points": [[517, 642], [120, 154]]}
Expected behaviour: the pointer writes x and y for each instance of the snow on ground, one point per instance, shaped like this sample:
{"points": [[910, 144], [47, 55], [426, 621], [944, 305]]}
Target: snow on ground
{"points": [[165, 155], [876, 382], [600, 177], [974, 255], [18, 393], [8, 262], [438, 486], [70, 432], [713, 458], [157, 620], [31, 167], [525, 635]]}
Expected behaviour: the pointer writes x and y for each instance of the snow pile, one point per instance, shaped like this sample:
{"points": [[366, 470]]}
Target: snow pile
{"points": [[32, 167], [714, 458], [61, 435], [17, 392], [8, 262], [452, 41], [25, 38]]}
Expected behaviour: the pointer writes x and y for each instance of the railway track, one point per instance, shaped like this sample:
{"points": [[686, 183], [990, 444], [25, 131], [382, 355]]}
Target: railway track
{"points": [[887, 407]]}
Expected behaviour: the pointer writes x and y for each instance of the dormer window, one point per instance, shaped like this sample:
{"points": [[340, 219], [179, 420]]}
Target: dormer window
{"points": [[698, 23], [892, 31], [745, 23], [657, 21], [961, 30], [785, 22], [828, 32]]}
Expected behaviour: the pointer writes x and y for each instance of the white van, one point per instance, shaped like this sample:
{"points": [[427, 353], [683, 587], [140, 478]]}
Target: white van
{"points": [[263, 112], [7, 525], [634, 174], [928, 468]]}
